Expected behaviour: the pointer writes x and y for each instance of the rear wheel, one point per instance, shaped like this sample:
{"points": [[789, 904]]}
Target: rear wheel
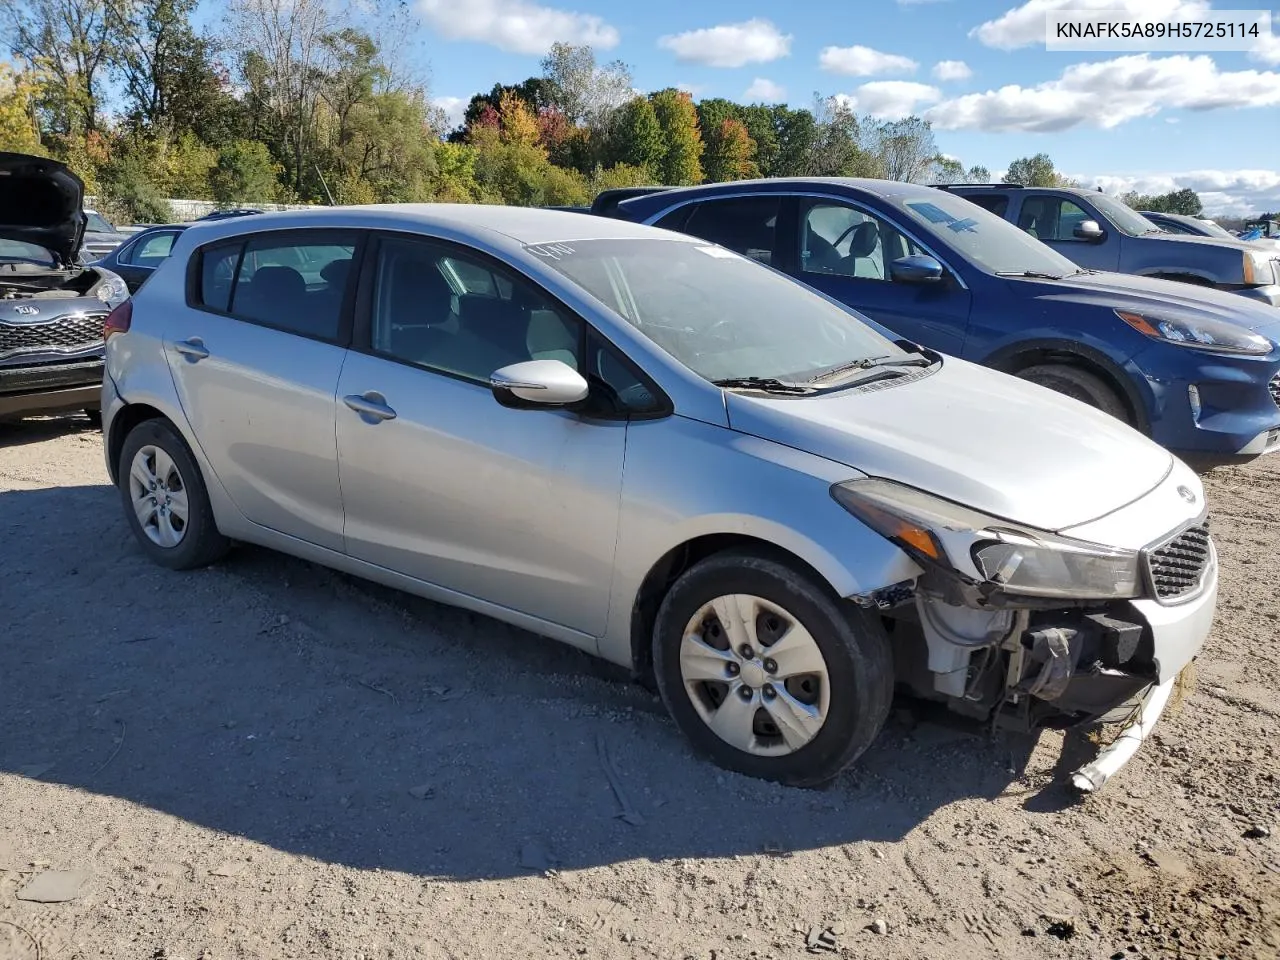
{"points": [[768, 673], [1082, 385], [165, 499]]}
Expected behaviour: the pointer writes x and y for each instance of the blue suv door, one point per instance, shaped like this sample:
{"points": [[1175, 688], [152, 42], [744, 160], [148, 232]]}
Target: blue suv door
{"points": [[846, 251], [1052, 219]]}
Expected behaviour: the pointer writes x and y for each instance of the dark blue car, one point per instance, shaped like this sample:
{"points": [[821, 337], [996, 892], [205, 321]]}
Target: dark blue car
{"points": [[1196, 369]]}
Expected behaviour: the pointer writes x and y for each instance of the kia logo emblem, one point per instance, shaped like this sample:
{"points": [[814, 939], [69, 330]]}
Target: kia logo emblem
{"points": [[1187, 494], [26, 311]]}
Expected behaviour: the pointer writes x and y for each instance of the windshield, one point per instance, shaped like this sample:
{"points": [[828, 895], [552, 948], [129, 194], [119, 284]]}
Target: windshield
{"points": [[720, 314], [1122, 216], [98, 224], [985, 240], [17, 251], [1214, 230]]}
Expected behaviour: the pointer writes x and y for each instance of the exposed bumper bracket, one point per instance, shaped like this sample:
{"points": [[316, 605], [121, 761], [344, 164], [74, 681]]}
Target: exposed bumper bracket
{"points": [[1091, 777]]}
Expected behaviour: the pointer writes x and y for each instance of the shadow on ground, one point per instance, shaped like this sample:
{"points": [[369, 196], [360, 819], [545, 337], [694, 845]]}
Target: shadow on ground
{"points": [[280, 702], [14, 433]]}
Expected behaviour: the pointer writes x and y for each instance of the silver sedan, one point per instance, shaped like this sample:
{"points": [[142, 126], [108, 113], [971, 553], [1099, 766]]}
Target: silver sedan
{"points": [[666, 454]]}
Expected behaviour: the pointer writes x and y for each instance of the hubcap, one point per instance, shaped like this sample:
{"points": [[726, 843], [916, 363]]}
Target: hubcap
{"points": [[755, 675], [159, 496]]}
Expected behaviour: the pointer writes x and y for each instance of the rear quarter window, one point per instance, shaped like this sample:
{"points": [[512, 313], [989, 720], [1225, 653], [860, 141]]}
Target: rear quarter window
{"points": [[996, 203], [216, 272]]}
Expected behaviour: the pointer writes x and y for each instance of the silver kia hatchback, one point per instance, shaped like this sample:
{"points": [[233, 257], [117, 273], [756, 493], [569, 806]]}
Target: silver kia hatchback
{"points": [[666, 454]]}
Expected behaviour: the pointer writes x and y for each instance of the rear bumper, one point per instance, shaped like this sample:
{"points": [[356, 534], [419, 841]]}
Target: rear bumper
{"points": [[50, 388]]}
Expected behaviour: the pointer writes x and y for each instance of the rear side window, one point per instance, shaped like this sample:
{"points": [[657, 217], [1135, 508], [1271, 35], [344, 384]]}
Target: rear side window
{"points": [[748, 225], [997, 204], [294, 282], [217, 271]]}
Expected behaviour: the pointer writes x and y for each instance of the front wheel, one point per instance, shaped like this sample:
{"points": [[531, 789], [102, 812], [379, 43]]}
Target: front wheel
{"points": [[165, 499], [767, 672], [1079, 385]]}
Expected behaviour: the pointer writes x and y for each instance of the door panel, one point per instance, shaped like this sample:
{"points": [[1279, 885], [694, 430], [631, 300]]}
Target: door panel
{"points": [[261, 400], [516, 507], [846, 253], [1052, 220]]}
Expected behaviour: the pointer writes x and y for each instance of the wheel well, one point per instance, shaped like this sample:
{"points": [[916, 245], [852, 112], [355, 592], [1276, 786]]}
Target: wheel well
{"points": [[1030, 358], [1182, 278], [121, 426], [669, 568]]}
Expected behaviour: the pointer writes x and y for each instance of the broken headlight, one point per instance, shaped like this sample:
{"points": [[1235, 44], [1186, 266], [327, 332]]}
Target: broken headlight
{"points": [[1020, 561]]}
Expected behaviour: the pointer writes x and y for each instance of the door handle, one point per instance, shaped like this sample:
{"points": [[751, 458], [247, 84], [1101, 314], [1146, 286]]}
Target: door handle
{"points": [[371, 405], [192, 348]]}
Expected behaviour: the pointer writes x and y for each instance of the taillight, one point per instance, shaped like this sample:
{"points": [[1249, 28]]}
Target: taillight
{"points": [[118, 320]]}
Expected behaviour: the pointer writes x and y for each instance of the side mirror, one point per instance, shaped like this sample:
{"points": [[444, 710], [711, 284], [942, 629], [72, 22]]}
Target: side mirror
{"points": [[538, 383], [916, 268], [1088, 230]]}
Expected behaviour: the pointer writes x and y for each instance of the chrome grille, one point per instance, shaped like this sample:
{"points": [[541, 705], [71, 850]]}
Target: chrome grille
{"points": [[1274, 387], [1177, 567], [64, 334]]}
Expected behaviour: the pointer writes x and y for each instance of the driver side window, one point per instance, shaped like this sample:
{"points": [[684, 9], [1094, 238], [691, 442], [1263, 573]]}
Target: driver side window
{"points": [[840, 240]]}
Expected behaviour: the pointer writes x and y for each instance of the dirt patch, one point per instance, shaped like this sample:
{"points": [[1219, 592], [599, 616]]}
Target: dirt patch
{"points": [[268, 759]]}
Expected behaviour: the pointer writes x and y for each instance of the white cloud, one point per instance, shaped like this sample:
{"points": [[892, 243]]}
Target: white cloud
{"points": [[891, 99], [1268, 50], [1223, 192], [517, 26], [858, 61], [692, 89], [764, 91], [945, 70], [1024, 26], [1109, 93], [730, 44], [453, 108]]}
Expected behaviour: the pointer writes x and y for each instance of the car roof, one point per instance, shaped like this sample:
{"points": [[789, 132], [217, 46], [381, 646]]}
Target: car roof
{"points": [[675, 196], [525, 225]]}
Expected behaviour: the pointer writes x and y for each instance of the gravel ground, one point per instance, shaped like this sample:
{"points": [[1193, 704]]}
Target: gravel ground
{"points": [[266, 759]]}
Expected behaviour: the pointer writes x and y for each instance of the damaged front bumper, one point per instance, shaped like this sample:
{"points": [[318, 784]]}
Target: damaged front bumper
{"points": [[1026, 669]]}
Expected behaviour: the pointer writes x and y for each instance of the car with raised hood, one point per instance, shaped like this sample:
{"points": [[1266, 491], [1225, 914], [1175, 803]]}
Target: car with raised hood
{"points": [[52, 306], [1100, 232], [602, 433], [1196, 369]]}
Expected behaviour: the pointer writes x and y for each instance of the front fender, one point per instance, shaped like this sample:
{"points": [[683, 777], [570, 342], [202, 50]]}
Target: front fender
{"points": [[744, 487]]}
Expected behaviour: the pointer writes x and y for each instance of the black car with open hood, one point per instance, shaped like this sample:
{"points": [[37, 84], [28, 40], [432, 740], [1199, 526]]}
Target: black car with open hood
{"points": [[52, 306]]}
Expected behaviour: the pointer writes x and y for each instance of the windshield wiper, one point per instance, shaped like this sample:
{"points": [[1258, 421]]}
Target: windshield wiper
{"points": [[871, 363], [1033, 274], [763, 384]]}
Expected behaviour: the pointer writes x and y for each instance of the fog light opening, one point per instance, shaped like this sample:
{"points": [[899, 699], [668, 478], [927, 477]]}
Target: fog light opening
{"points": [[1193, 397]]}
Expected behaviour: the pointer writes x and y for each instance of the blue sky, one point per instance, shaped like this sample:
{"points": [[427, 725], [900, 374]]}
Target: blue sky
{"points": [[1154, 120]]}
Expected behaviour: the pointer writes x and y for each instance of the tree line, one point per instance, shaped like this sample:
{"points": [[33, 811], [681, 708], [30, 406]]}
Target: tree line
{"points": [[305, 103]]}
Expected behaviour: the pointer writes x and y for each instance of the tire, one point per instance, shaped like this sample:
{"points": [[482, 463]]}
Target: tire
{"points": [[1079, 385], [854, 651], [158, 451]]}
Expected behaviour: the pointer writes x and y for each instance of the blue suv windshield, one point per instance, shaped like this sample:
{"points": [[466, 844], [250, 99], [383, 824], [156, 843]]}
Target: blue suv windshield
{"points": [[988, 242], [720, 314]]}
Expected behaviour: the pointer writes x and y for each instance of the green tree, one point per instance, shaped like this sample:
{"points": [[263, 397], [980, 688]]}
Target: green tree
{"points": [[1037, 171], [1185, 201], [835, 149], [637, 137], [246, 173], [729, 153], [128, 187], [70, 42], [620, 175], [904, 150], [797, 133], [761, 124], [678, 120], [19, 132]]}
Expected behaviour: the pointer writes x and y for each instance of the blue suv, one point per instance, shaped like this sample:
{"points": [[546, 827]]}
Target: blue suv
{"points": [[1196, 369]]}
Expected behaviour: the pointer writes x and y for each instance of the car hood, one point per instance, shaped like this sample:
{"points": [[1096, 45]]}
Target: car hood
{"points": [[1166, 298], [1228, 243], [41, 202], [983, 439]]}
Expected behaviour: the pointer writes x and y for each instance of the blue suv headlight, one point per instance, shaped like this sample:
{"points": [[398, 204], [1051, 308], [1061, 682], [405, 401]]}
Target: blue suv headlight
{"points": [[1201, 334]]}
